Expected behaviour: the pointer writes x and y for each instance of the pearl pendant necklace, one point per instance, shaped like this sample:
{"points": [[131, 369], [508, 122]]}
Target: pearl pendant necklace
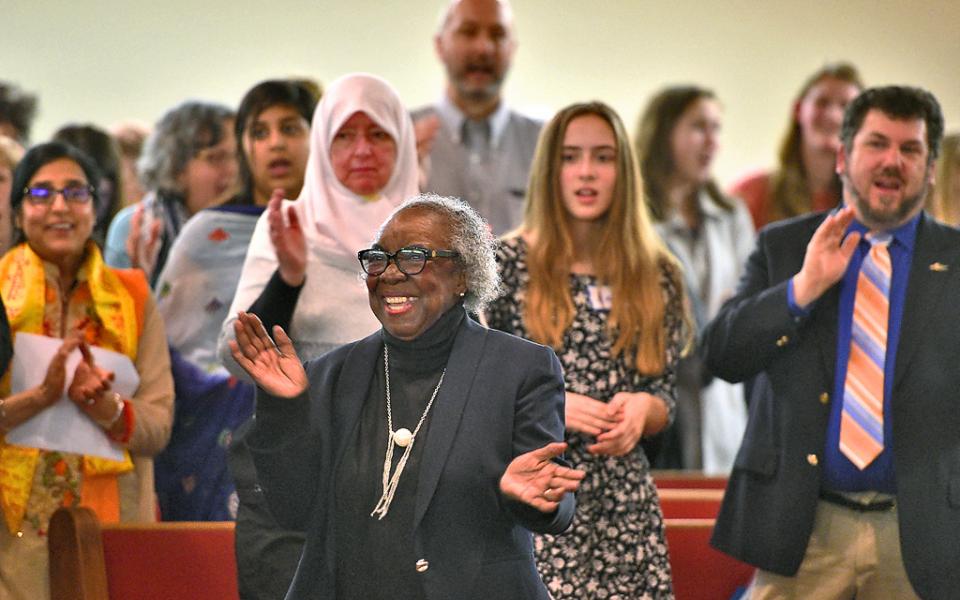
{"points": [[401, 437]]}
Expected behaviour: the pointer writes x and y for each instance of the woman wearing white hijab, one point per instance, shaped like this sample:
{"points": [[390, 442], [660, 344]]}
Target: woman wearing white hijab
{"points": [[362, 165], [301, 268]]}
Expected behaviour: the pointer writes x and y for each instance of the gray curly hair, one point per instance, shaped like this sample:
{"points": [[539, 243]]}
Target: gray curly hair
{"points": [[182, 132], [470, 236]]}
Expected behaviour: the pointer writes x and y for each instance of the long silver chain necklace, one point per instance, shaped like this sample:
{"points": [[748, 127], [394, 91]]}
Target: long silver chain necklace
{"points": [[401, 437]]}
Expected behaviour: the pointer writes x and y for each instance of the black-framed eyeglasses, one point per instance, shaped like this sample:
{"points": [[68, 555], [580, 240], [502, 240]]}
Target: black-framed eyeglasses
{"points": [[43, 195], [410, 261]]}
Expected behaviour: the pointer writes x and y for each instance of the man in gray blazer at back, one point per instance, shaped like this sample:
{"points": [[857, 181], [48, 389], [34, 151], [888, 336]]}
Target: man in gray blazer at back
{"points": [[472, 146]]}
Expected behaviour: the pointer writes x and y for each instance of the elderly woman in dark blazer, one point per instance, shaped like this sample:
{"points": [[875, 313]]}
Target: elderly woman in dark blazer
{"points": [[419, 459]]}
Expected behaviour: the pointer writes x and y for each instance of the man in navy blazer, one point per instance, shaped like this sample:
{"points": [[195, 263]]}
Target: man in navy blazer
{"points": [[815, 524]]}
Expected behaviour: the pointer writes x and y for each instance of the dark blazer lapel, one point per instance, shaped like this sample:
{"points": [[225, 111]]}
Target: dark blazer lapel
{"points": [[447, 410], [352, 388], [935, 260]]}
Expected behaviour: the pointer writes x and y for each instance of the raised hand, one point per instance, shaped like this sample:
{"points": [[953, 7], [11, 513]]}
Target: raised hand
{"points": [[274, 367], [92, 390], [54, 381], [21, 406], [288, 240], [533, 478], [89, 380], [586, 415], [633, 410], [827, 257], [425, 132], [142, 249]]}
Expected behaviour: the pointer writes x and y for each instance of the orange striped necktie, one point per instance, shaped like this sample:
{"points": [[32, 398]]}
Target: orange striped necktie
{"points": [[861, 421]]}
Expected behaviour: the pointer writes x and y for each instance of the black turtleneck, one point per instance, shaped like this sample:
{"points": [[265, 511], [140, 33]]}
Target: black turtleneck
{"points": [[375, 557]]}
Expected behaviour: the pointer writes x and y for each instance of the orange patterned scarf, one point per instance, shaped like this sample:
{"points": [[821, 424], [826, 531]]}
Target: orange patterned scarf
{"points": [[24, 291]]}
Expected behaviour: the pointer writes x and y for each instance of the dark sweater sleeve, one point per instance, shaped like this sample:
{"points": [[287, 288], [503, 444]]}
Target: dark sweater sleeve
{"points": [[6, 345], [276, 303]]}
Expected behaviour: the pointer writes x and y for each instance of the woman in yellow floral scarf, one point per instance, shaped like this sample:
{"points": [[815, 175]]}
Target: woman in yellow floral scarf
{"points": [[54, 282]]}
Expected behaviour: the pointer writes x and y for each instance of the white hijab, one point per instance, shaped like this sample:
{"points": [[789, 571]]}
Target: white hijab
{"points": [[333, 307], [334, 217]]}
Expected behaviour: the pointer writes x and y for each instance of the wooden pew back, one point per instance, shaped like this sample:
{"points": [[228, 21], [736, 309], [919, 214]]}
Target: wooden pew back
{"points": [[689, 503], [146, 561], [666, 478], [699, 571]]}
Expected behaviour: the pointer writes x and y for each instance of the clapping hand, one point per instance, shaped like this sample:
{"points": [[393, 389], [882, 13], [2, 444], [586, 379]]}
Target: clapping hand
{"points": [[425, 132], [288, 240], [142, 247], [54, 381], [533, 478], [274, 367], [89, 381], [92, 391]]}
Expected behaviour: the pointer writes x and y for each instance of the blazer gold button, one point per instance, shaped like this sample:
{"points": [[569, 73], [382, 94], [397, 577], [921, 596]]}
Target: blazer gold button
{"points": [[812, 459], [782, 341], [422, 565], [824, 398]]}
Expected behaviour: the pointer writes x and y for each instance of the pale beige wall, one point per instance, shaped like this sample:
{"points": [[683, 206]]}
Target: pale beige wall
{"points": [[106, 60]]}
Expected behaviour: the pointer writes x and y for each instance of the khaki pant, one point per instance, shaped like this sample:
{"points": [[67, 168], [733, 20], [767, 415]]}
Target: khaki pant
{"points": [[851, 555]]}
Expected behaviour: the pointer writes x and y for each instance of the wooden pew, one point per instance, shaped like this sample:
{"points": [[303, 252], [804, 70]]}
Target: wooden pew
{"points": [[664, 479], [699, 571], [187, 561], [143, 561], [689, 503]]}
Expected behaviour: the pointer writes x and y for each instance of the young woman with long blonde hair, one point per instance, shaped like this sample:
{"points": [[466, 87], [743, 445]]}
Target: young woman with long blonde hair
{"points": [[587, 275], [944, 201]]}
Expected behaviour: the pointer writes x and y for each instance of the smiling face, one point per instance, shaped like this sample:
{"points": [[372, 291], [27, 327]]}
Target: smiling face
{"points": [[887, 170], [476, 45], [694, 141], [363, 155], [820, 113], [58, 231], [276, 143], [407, 305], [588, 172]]}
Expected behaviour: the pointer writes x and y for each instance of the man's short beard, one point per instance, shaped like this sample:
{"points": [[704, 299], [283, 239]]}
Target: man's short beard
{"points": [[882, 221], [485, 94]]}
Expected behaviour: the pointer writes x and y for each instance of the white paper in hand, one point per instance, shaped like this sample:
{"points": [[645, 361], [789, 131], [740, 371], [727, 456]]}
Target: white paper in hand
{"points": [[63, 426]]}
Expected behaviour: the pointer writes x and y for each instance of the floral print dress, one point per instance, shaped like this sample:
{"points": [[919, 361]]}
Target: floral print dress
{"points": [[615, 548]]}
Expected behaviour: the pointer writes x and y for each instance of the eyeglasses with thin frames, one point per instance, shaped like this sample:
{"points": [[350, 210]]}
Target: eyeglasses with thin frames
{"points": [[41, 195], [409, 260]]}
